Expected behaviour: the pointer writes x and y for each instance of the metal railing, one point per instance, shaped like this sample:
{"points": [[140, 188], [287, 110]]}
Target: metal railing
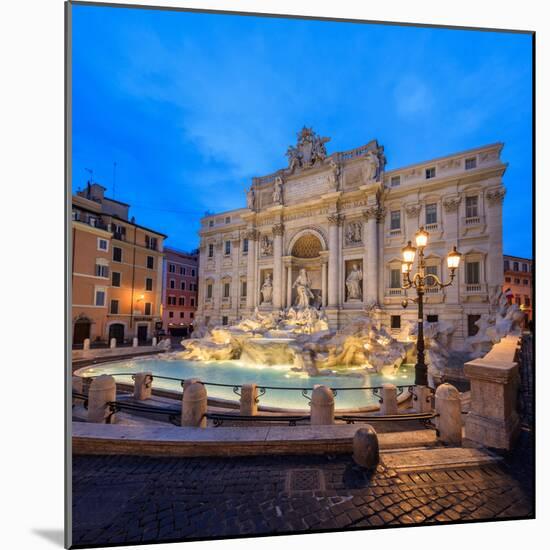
{"points": [[262, 389]]}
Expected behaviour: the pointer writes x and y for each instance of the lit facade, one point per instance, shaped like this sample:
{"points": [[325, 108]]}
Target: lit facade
{"points": [[344, 219], [116, 271]]}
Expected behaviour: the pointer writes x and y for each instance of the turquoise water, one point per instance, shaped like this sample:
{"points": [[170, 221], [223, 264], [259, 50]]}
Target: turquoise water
{"points": [[237, 373]]}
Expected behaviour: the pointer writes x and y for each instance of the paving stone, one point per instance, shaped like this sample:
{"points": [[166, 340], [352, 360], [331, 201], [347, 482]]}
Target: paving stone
{"points": [[140, 499]]}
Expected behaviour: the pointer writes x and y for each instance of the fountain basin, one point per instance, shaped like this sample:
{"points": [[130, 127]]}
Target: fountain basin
{"points": [[237, 372]]}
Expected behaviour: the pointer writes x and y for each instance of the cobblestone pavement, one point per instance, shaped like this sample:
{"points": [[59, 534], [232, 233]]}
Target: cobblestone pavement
{"points": [[119, 499]]}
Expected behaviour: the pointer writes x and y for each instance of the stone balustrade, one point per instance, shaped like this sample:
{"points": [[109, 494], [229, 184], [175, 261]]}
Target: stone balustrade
{"points": [[493, 420]]}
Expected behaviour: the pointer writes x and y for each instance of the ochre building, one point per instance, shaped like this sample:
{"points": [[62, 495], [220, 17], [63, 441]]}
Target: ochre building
{"points": [[116, 271]]}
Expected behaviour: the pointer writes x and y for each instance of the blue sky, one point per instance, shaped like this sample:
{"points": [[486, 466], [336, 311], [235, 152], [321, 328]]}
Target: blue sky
{"points": [[192, 106]]}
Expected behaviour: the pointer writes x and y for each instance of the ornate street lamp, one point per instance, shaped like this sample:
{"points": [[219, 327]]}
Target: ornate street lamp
{"points": [[419, 281]]}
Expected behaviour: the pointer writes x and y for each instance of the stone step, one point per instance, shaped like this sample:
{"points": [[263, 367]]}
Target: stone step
{"points": [[232, 441], [423, 460]]}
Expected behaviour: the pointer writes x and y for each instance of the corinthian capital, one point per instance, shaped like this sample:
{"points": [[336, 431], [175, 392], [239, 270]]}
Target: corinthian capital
{"points": [[495, 196], [278, 229], [374, 213], [252, 234], [335, 219]]}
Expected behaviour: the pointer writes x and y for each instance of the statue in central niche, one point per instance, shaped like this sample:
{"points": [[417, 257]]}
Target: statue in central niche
{"points": [[302, 285]]}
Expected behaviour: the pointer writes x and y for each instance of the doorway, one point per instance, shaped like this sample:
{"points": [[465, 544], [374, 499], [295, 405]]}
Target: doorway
{"points": [[142, 333], [81, 332], [116, 330]]}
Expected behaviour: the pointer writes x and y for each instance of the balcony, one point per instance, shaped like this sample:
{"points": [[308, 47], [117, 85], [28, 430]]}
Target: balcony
{"points": [[431, 226], [393, 295], [475, 292], [472, 221]]}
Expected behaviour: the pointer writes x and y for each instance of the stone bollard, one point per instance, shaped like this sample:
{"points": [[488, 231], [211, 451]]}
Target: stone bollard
{"points": [[134, 342], [194, 405], [102, 390], [78, 387], [188, 382], [365, 447], [143, 384], [322, 406], [449, 421], [86, 344], [422, 399], [389, 399], [154, 343], [249, 396], [113, 343]]}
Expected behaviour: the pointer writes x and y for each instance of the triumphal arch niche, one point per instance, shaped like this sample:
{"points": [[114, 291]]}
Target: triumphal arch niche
{"points": [[335, 223]]}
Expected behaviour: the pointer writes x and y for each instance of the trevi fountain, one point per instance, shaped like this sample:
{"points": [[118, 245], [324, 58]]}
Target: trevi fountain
{"points": [[294, 349]]}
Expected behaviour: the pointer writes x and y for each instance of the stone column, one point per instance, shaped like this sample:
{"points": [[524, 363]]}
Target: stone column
{"points": [[322, 406], [494, 199], [194, 405], [449, 421], [288, 285], [112, 344], [252, 236], [334, 221], [372, 216], [323, 282], [451, 205], [235, 279], [278, 230], [102, 390], [493, 420]]}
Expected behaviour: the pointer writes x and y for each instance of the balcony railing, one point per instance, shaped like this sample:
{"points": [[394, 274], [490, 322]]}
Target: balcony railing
{"points": [[471, 221], [431, 226], [395, 232], [394, 291]]}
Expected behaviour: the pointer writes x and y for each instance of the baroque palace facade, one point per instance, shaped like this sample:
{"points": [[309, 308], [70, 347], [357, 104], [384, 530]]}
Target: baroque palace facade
{"points": [[341, 220]]}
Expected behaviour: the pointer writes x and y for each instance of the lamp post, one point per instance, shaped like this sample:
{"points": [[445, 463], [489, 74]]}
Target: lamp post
{"points": [[420, 280]]}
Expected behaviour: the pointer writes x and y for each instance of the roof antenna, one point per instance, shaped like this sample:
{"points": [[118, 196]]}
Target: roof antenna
{"points": [[114, 179], [91, 172]]}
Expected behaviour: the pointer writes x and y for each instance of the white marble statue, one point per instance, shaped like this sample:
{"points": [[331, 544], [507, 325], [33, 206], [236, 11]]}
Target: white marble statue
{"points": [[303, 289], [333, 177], [278, 190], [267, 290], [372, 162], [353, 283], [250, 198]]}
